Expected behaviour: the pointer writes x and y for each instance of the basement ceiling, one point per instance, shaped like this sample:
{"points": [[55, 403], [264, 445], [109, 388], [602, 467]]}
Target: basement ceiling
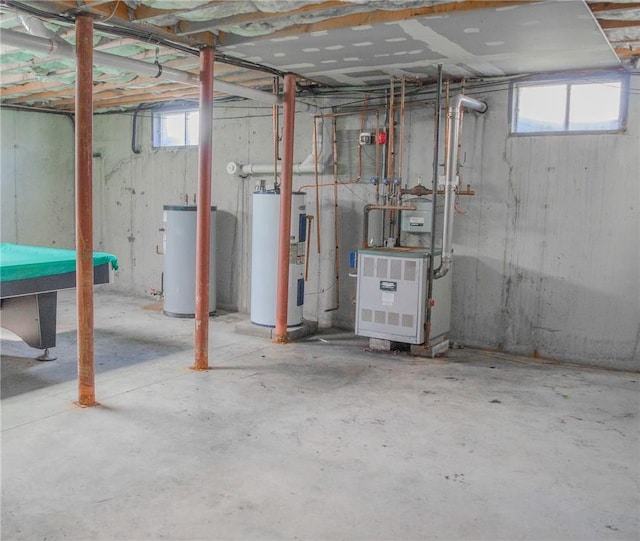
{"points": [[330, 43]]}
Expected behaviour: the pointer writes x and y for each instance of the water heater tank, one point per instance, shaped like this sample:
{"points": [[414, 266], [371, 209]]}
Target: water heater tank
{"points": [[264, 258], [180, 261]]}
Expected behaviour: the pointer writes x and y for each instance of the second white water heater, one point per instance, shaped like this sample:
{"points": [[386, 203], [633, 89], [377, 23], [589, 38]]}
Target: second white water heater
{"points": [[180, 226], [264, 258]]}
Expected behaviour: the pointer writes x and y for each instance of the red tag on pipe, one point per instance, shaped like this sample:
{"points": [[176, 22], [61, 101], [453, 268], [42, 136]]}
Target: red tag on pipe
{"points": [[382, 138]]}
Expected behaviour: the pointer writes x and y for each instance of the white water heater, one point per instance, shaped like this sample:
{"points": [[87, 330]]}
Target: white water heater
{"points": [[180, 225], [264, 258]]}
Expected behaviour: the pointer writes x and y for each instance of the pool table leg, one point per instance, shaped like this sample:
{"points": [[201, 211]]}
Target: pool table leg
{"points": [[32, 318]]}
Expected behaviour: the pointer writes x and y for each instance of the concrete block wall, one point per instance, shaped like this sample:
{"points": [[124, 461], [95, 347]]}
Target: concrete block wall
{"points": [[546, 253]]}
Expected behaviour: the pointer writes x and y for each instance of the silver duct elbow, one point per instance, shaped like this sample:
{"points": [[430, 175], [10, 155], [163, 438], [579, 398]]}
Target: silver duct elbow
{"points": [[453, 119]]}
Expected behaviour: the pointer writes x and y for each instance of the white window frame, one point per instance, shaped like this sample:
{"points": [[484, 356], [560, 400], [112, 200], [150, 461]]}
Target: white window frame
{"points": [[156, 128], [569, 82]]}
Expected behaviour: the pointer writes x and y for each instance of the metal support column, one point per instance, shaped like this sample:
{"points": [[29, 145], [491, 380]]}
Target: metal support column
{"points": [[84, 208], [286, 189], [203, 213]]}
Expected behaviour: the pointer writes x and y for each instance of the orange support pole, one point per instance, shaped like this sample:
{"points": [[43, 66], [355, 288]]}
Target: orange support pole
{"points": [[203, 212], [286, 188], [84, 208]]}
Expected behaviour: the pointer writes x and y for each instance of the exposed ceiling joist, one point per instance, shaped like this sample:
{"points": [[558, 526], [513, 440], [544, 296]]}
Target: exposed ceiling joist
{"points": [[627, 52], [128, 101], [597, 7], [608, 24]]}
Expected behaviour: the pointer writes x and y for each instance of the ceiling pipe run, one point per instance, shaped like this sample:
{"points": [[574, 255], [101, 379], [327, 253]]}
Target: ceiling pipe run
{"points": [[58, 47], [453, 118]]}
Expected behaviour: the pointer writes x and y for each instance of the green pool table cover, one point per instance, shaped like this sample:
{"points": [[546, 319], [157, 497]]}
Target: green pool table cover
{"points": [[20, 262]]}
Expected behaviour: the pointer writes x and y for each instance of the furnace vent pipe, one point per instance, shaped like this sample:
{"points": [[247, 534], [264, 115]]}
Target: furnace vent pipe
{"points": [[59, 47], [453, 118], [308, 166]]}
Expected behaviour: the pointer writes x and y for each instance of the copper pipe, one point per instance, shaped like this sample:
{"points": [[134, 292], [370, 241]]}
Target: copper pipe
{"points": [[84, 208], [401, 145], [203, 211], [325, 184], [377, 156], [282, 291], [369, 208]]}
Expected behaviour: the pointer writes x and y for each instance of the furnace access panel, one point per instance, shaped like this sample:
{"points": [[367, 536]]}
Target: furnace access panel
{"points": [[391, 294]]}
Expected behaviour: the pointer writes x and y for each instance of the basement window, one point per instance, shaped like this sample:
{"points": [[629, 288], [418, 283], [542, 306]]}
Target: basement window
{"points": [[175, 128], [560, 107]]}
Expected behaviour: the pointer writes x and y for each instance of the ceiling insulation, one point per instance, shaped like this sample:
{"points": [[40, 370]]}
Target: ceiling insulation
{"points": [[330, 42]]}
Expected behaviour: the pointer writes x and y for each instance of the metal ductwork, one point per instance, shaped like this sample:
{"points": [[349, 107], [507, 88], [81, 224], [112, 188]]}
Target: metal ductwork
{"points": [[453, 119]]}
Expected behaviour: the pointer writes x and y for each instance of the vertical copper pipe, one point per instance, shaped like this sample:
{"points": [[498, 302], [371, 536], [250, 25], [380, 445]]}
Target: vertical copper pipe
{"points": [[203, 212], [391, 138], [401, 146], [282, 291], [84, 208], [377, 174]]}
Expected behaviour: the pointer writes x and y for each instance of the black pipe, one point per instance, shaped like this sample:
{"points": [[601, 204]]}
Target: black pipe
{"points": [[434, 195], [134, 131]]}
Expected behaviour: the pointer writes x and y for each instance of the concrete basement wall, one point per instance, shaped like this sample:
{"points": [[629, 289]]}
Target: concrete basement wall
{"points": [[36, 179], [546, 255]]}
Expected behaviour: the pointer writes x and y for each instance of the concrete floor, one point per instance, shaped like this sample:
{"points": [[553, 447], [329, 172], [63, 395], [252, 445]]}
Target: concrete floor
{"points": [[313, 440]]}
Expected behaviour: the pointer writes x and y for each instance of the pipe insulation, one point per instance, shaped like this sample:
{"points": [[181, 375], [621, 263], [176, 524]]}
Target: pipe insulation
{"points": [[59, 47], [453, 118]]}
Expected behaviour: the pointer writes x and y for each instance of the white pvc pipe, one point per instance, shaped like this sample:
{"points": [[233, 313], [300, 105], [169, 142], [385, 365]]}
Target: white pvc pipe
{"points": [[59, 47], [307, 166]]}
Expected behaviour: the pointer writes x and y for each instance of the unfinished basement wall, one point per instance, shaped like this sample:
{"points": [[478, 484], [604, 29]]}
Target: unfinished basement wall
{"points": [[133, 188], [547, 257], [546, 253], [37, 179]]}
